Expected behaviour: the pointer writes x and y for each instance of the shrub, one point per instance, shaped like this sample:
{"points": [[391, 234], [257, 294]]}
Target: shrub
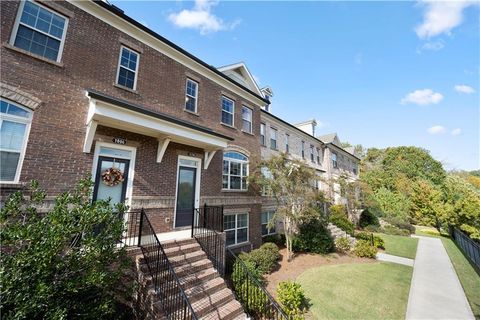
{"points": [[62, 264], [262, 259], [364, 249], [400, 224], [342, 244], [343, 223], [368, 218], [395, 231], [292, 298], [245, 288], [313, 236], [278, 239], [377, 241], [338, 210], [372, 228]]}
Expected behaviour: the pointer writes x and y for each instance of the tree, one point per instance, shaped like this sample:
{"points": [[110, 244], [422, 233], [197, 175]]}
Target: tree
{"points": [[64, 264], [290, 183]]}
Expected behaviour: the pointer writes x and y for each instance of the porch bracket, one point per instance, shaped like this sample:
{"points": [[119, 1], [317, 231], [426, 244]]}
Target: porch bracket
{"points": [[162, 147], [208, 158], [89, 135]]}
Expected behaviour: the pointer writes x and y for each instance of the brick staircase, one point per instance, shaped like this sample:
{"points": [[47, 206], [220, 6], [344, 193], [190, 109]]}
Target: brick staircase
{"points": [[336, 232], [206, 290]]}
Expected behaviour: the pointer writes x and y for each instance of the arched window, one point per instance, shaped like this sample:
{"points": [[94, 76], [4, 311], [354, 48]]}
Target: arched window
{"points": [[14, 128], [235, 171]]}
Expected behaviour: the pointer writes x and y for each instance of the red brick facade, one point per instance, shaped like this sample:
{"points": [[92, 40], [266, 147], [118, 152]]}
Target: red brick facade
{"points": [[54, 154]]}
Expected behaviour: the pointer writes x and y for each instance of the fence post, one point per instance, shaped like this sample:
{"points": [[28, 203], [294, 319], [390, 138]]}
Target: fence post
{"points": [[371, 240], [142, 212]]}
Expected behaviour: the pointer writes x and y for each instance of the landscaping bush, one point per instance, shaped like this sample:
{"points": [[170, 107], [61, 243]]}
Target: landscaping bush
{"points": [[278, 239], [377, 241], [342, 244], [262, 259], [400, 224], [338, 216], [61, 264], [313, 236], [292, 298], [365, 250], [368, 218], [395, 231], [245, 288], [372, 228]]}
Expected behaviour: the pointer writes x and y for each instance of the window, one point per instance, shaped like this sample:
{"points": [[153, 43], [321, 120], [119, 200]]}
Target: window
{"points": [[262, 134], [127, 68], [303, 149], [247, 119], [273, 138], [266, 190], [228, 107], [355, 169], [312, 154], [334, 160], [318, 155], [236, 228], [14, 128], [268, 225], [40, 31], [287, 142], [235, 171], [191, 94]]}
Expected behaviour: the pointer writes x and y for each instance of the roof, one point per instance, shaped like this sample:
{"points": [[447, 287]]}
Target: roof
{"points": [[245, 73], [328, 138], [350, 150], [332, 139], [119, 13]]}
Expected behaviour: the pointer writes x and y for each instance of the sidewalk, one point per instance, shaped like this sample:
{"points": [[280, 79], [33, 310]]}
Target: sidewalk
{"points": [[436, 292]]}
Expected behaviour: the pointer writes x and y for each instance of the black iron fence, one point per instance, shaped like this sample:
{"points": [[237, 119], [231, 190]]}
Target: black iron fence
{"points": [[469, 246], [207, 229], [250, 292], [174, 301], [132, 228]]}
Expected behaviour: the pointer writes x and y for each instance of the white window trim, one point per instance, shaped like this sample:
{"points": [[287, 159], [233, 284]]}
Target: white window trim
{"points": [[268, 229], [194, 97], [251, 121], [17, 24], [120, 66], [264, 126], [287, 143], [243, 162], [312, 153], [28, 123], [334, 161], [236, 228], [232, 113], [276, 138]]}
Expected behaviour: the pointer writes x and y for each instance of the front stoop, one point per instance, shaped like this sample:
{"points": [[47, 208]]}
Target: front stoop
{"points": [[205, 288], [336, 232]]}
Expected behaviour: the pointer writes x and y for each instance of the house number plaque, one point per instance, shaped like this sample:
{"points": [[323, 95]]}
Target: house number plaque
{"points": [[119, 140]]}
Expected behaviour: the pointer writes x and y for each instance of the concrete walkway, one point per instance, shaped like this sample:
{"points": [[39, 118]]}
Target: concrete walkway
{"points": [[395, 259], [435, 291]]}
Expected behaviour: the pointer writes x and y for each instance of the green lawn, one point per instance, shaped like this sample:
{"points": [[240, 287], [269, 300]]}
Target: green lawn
{"points": [[399, 245], [469, 278], [428, 232], [358, 291]]}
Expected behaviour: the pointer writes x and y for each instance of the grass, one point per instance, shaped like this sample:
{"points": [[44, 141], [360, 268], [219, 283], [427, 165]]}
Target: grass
{"points": [[399, 245], [358, 291], [428, 232], [469, 278]]}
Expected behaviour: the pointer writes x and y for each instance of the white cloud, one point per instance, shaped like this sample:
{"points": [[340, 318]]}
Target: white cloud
{"points": [[422, 97], [462, 88], [456, 132], [432, 46], [441, 17], [201, 18], [436, 130]]}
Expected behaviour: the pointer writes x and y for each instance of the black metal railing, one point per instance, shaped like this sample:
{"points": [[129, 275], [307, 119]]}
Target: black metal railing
{"points": [[132, 228], [174, 301], [207, 229], [468, 246], [250, 292]]}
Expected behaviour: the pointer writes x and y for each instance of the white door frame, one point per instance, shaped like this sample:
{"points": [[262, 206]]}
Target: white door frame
{"points": [[131, 168], [197, 183]]}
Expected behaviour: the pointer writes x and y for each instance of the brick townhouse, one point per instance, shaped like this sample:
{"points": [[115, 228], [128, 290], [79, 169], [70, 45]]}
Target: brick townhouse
{"points": [[88, 91]]}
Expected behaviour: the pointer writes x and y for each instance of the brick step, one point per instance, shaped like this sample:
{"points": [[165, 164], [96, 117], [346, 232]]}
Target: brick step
{"points": [[190, 280], [177, 243], [188, 258], [231, 310], [204, 289], [191, 268], [212, 302], [182, 249]]}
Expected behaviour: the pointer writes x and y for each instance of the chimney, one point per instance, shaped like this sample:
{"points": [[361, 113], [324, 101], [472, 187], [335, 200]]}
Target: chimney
{"points": [[308, 126]]}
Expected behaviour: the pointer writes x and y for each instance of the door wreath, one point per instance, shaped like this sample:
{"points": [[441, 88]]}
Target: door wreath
{"points": [[112, 176]]}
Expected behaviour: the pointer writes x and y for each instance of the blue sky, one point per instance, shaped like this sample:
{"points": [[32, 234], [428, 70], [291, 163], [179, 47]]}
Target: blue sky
{"points": [[377, 73]]}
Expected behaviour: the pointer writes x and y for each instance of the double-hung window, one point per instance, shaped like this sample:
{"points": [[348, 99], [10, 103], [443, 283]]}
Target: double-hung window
{"points": [[235, 171], [287, 143], [191, 95], [273, 138], [128, 68], [236, 228], [312, 153], [40, 31], [268, 224], [14, 128], [303, 149], [247, 119], [228, 110], [334, 160], [262, 134], [318, 155]]}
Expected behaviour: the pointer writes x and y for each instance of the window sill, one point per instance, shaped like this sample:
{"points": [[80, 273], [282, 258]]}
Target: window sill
{"points": [[239, 245], [274, 149], [270, 234], [32, 55], [228, 126], [12, 185], [233, 190], [249, 133], [116, 85], [191, 112]]}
